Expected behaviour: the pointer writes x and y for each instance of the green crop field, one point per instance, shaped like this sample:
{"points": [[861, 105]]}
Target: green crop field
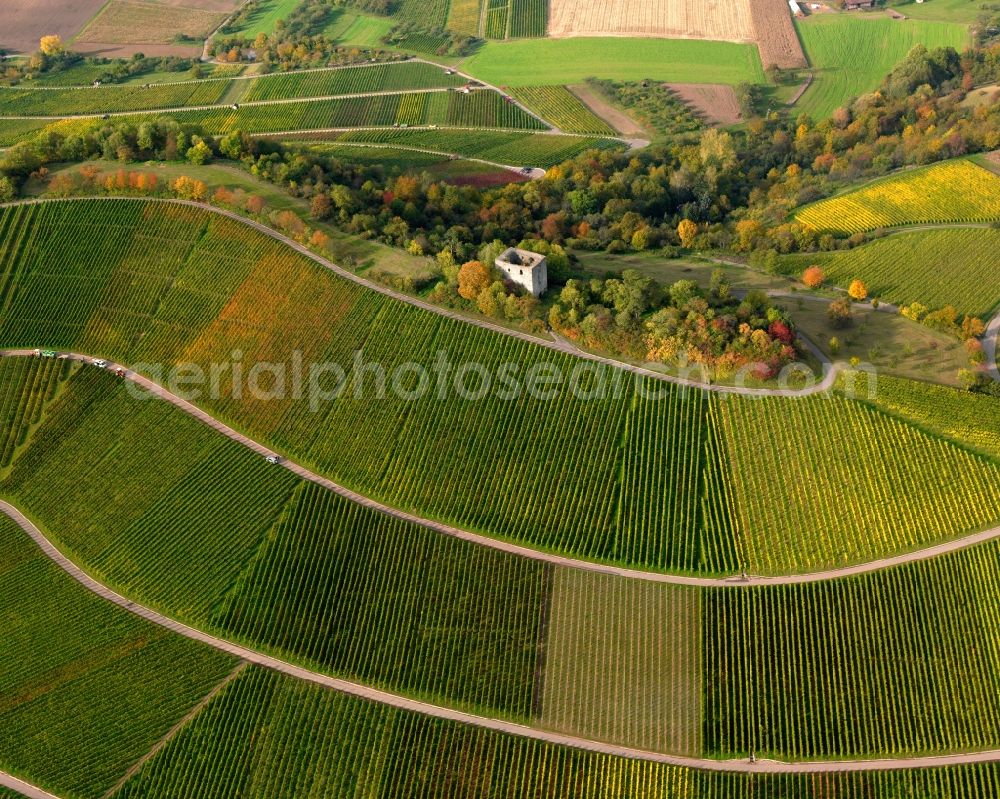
{"points": [[623, 662], [900, 661], [117, 98], [292, 568], [14, 130], [85, 688], [545, 62], [661, 483], [879, 493], [375, 155], [484, 109], [350, 80], [937, 267], [26, 389], [946, 192], [562, 108], [972, 421], [502, 147], [851, 54], [110, 99]]}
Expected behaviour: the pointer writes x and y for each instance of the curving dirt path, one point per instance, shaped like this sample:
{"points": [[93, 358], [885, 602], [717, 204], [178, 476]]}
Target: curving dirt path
{"points": [[741, 765], [735, 581]]}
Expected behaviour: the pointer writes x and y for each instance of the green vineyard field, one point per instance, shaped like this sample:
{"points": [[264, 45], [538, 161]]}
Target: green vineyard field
{"points": [[294, 569], [109, 99], [484, 109], [504, 147], [264, 735], [85, 688], [613, 475], [351, 80], [562, 108], [907, 267]]}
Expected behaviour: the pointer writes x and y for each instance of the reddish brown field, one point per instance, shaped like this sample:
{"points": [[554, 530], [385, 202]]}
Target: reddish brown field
{"points": [[714, 102], [775, 33], [24, 22]]}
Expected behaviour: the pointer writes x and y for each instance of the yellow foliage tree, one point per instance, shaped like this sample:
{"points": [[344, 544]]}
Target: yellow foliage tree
{"points": [[857, 290], [687, 230], [51, 45]]}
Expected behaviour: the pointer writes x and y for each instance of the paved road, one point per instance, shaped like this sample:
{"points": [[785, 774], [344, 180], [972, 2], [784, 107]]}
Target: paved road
{"points": [[735, 581], [24, 788], [741, 765]]}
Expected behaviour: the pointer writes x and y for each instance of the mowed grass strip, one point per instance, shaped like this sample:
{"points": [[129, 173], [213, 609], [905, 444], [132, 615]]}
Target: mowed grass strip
{"points": [[954, 267], [85, 687], [851, 54], [623, 662], [545, 62], [946, 192]]}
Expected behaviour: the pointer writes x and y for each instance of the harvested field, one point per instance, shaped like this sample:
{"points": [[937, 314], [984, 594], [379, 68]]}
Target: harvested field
{"points": [[714, 102], [26, 21], [148, 22], [726, 20], [775, 32]]}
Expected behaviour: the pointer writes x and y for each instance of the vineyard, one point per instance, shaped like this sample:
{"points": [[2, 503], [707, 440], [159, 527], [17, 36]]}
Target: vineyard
{"points": [[900, 661], [970, 420], [502, 147], [668, 483], [479, 109], [269, 734], [291, 568], [26, 388], [351, 80], [951, 191], [562, 108], [14, 130], [85, 689], [109, 99], [907, 268], [899, 489]]}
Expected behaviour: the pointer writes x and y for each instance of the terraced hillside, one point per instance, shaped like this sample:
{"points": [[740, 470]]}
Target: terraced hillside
{"points": [[655, 486]]}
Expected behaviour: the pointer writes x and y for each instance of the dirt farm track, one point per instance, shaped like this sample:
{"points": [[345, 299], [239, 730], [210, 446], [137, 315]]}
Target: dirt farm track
{"points": [[24, 22]]}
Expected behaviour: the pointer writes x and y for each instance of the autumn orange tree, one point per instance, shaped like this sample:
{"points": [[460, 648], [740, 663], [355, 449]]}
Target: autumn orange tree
{"points": [[813, 277], [473, 278]]}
